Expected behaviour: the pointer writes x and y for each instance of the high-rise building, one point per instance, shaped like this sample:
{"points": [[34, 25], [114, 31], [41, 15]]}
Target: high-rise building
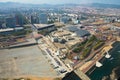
{"points": [[1, 24], [64, 19], [34, 19], [10, 22], [2, 21], [43, 18], [19, 19]]}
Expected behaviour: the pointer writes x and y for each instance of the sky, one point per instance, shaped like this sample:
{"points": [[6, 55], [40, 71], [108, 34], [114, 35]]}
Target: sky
{"points": [[64, 1]]}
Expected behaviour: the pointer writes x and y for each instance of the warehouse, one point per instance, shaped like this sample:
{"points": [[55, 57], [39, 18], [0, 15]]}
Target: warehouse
{"points": [[79, 32]]}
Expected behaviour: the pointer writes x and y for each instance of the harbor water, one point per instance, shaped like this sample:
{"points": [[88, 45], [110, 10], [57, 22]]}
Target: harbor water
{"points": [[108, 64]]}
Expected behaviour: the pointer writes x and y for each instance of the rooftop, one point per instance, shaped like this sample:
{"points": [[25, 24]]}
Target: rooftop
{"points": [[82, 33], [27, 42], [78, 31], [11, 29], [8, 29], [38, 26], [62, 33]]}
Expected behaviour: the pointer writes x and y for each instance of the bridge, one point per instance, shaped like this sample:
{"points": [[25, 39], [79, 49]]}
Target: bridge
{"points": [[82, 75]]}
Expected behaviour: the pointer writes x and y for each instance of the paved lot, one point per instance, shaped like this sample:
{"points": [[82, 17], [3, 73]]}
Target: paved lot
{"points": [[27, 61]]}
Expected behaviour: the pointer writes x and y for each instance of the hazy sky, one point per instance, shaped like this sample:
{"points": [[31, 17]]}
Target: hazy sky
{"points": [[64, 1]]}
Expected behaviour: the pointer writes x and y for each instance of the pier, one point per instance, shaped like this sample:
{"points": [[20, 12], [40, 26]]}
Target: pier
{"points": [[107, 55], [98, 64]]}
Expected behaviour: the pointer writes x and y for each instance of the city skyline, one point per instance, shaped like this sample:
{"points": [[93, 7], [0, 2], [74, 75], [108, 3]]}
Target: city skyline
{"points": [[64, 1], [59, 39]]}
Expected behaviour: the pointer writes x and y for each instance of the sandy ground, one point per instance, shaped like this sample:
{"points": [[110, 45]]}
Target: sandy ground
{"points": [[107, 48], [86, 65]]}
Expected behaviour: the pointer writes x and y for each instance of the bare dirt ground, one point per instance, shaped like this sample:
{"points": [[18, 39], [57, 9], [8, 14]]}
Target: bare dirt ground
{"points": [[31, 78], [26, 61]]}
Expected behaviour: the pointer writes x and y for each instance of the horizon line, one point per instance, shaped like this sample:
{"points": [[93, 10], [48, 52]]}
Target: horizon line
{"points": [[57, 3]]}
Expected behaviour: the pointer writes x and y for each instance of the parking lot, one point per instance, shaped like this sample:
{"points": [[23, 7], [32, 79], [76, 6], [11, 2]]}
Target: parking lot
{"points": [[26, 61]]}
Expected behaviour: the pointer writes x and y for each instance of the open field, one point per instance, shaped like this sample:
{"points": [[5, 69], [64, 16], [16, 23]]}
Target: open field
{"points": [[31, 78], [26, 61]]}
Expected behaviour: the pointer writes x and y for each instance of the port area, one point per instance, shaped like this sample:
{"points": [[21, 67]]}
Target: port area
{"points": [[25, 61], [88, 65]]}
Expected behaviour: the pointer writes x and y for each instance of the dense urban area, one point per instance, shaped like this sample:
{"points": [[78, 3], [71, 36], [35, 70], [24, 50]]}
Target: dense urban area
{"points": [[51, 42]]}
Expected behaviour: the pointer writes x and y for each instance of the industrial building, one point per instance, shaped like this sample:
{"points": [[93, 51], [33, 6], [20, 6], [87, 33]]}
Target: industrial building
{"points": [[44, 28], [79, 32], [10, 30]]}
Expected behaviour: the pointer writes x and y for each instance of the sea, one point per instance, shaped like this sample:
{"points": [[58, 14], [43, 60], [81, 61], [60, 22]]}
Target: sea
{"points": [[108, 65]]}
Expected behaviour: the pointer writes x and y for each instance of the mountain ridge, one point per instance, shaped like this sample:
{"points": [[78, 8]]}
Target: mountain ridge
{"points": [[17, 5]]}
